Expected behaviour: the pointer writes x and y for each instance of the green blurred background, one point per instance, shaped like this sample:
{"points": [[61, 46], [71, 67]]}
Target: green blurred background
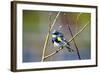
{"points": [[35, 28]]}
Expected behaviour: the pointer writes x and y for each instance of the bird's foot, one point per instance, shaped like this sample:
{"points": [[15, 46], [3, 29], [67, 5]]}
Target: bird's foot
{"points": [[70, 50]]}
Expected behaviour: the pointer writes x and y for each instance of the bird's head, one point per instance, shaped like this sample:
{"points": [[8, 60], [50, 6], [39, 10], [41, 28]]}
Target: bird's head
{"points": [[55, 33]]}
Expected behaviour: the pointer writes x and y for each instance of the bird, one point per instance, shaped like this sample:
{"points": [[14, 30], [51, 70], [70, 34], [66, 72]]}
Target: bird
{"points": [[59, 40]]}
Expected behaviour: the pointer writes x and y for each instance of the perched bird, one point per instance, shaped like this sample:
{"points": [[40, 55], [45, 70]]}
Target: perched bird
{"points": [[59, 40]]}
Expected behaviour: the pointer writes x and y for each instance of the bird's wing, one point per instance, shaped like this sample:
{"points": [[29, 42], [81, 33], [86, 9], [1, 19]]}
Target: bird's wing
{"points": [[59, 39]]}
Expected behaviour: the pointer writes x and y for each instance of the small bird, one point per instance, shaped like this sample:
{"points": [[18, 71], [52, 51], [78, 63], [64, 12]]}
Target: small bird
{"points": [[59, 41]]}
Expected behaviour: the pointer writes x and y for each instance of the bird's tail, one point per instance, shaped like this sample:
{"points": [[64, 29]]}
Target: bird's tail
{"points": [[69, 49], [67, 45]]}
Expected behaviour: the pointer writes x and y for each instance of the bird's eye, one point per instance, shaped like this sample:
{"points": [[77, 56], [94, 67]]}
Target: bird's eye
{"points": [[53, 36]]}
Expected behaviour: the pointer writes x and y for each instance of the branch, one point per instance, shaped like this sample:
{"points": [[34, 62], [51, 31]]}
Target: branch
{"points": [[55, 52], [55, 20], [47, 36], [78, 17], [74, 42], [78, 32]]}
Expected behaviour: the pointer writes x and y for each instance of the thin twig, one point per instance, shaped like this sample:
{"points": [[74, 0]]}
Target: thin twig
{"points": [[54, 20], [47, 36], [77, 50], [78, 32], [55, 52], [78, 17]]}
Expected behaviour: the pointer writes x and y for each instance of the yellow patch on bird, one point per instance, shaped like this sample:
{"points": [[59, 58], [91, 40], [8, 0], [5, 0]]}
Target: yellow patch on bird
{"points": [[53, 36], [59, 39]]}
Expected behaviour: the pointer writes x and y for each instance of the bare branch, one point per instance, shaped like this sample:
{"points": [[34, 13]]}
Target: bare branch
{"points": [[79, 32], [78, 16], [53, 53], [47, 36], [55, 20], [74, 42]]}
